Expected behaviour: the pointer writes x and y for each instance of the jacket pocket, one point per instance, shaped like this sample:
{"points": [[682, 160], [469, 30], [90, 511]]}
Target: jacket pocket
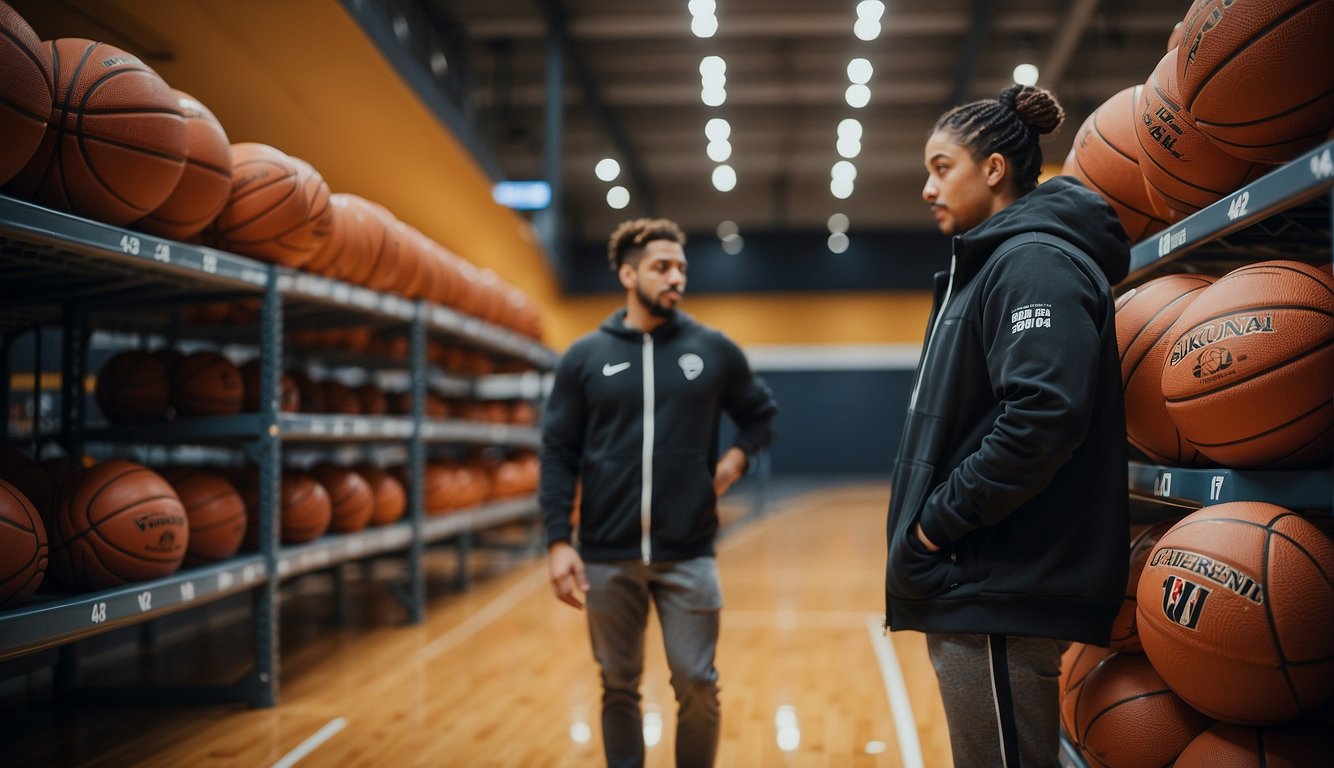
{"points": [[915, 573], [609, 512], [684, 504]]}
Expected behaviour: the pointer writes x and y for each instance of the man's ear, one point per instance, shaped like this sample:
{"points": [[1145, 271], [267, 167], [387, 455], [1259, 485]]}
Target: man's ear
{"points": [[627, 275], [997, 170]]}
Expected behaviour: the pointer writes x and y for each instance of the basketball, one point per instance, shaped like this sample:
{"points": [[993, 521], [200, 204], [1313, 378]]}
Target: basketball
{"points": [[439, 488], [339, 398], [306, 509], [205, 184], [1258, 75], [390, 498], [273, 207], [117, 523], [115, 141], [1178, 161], [1105, 160], [381, 265], [351, 496], [346, 253], [1125, 634], [523, 413], [207, 384], [23, 549], [1248, 376], [133, 388], [215, 512], [30, 478], [1174, 38], [1144, 316], [289, 397], [310, 395], [1299, 745], [372, 399], [1127, 716], [25, 92], [1236, 611]]}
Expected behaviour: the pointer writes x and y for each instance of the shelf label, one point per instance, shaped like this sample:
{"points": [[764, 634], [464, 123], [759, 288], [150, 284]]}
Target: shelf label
{"points": [[187, 591], [1322, 166], [129, 244], [145, 601], [209, 263], [162, 253], [225, 581], [1216, 487], [1163, 485], [248, 574], [1237, 208], [99, 613], [1169, 240]]}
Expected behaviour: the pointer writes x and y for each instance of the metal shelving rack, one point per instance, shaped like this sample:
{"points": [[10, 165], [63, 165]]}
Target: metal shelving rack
{"points": [[76, 274], [1286, 214]]}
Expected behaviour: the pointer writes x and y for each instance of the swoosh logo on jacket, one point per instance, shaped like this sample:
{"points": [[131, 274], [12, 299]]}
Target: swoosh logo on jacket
{"points": [[611, 370]]}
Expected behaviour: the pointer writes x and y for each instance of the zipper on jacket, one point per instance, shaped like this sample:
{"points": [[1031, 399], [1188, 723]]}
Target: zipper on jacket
{"points": [[646, 495], [949, 288]]}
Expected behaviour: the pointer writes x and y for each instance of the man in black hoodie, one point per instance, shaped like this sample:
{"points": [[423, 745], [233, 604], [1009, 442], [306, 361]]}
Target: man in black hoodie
{"points": [[633, 417], [1008, 521]]}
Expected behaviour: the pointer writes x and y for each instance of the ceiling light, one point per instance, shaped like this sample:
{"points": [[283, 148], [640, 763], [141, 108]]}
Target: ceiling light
{"points": [[841, 188], [858, 96], [724, 178], [848, 147], [718, 151], [838, 223], [727, 229], [713, 80], [733, 244], [704, 26], [439, 64], [843, 170], [870, 9], [400, 26], [838, 242], [712, 65], [1026, 74], [850, 128], [702, 7], [717, 129], [860, 71], [618, 197], [866, 29], [713, 97], [607, 169]]}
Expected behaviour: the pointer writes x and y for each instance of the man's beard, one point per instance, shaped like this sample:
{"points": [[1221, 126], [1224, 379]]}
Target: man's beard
{"points": [[653, 307]]}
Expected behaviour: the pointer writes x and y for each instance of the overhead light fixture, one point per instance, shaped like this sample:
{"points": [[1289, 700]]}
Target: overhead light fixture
{"points": [[704, 25], [607, 169], [849, 147], [860, 71], [702, 7], [858, 96], [727, 229], [850, 128], [713, 97], [712, 66], [717, 129], [439, 64], [618, 197], [843, 170], [866, 29], [724, 178], [870, 9], [1026, 74], [838, 223], [838, 242], [400, 26], [732, 244], [841, 188], [719, 151]]}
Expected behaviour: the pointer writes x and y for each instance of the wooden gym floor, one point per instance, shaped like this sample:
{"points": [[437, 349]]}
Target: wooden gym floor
{"points": [[502, 674]]}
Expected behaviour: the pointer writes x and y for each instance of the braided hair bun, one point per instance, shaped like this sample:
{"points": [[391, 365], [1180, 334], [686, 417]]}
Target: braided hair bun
{"points": [[1036, 107]]}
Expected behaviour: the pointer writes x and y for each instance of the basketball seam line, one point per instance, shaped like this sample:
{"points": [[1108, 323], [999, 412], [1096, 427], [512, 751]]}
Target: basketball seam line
{"points": [[1161, 333], [1269, 118], [23, 46], [294, 190], [1257, 374], [24, 112], [1255, 38], [1103, 190], [117, 547]]}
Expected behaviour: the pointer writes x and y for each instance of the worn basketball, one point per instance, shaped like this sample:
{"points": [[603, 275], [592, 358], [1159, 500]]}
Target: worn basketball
{"points": [[1144, 317], [1127, 716], [1303, 744], [117, 523], [390, 498], [1125, 633], [353, 501], [1236, 611], [133, 388], [115, 140], [289, 397], [25, 92], [1076, 663], [274, 207], [207, 384], [1179, 162], [1105, 159], [23, 548], [1258, 75], [1250, 368], [215, 511], [206, 182]]}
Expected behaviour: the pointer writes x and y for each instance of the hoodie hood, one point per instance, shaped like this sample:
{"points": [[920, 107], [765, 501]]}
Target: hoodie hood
{"points": [[615, 325], [1062, 207]]}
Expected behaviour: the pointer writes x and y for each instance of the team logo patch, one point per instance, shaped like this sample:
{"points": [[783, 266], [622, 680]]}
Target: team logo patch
{"points": [[1211, 361], [1183, 601], [1030, 316], [692, 365]]}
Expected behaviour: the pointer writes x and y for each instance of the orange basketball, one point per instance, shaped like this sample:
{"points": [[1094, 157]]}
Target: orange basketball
{"points": [[1144, 316], [1179, 162], [1105, 158], [523, 413], [117, 523], [1236, 611], [215, 511], [289, 397], [1125, 633], [25, 92], [410, 274], [1258, 75], [346, 254], [386, 252], [339, 398], [305, 508], [390, 498], [439, 488], [351, 496], [1076, 663], [133, 388], [1299, 745], [115, 140], [1127, 716], [206, 183], [23, 549], [1250, 370], [274, 208], [310, 395], [207, 384]]}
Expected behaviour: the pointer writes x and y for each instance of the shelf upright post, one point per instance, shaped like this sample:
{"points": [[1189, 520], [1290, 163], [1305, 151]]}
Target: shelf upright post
{"points": [[6, 346], [268, 454], [73, 367], [417, 464]]}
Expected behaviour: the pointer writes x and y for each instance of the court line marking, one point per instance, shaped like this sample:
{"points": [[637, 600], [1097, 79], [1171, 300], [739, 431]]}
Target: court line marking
{"points": [[905, 726], [792, 619], [312, 743], [489, 613]]}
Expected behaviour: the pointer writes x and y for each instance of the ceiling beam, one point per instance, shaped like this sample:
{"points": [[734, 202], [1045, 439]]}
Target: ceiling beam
{"points": [[983, 11], [1063, 47]]}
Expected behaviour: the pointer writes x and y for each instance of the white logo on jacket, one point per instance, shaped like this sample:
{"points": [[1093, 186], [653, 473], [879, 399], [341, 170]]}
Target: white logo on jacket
{"points": [[1030, 316], [692, 365], [611, 370]]}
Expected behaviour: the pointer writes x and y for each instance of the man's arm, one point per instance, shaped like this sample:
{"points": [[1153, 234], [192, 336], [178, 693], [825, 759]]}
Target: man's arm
{"points": [[562, 451], [751, 406]]}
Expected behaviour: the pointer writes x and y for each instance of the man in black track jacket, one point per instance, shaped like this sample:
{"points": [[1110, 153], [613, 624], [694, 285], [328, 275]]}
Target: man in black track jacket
{"points": [[633, 417], [1007, 527]]}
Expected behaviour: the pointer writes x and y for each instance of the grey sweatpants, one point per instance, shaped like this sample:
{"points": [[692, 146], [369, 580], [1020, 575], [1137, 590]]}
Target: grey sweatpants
{"points": [[1002, 698], [688, 597]]}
